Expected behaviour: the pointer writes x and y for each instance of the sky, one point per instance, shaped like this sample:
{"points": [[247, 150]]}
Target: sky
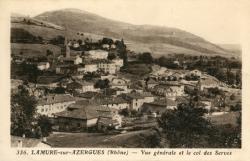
{"points": [[218, 21]]}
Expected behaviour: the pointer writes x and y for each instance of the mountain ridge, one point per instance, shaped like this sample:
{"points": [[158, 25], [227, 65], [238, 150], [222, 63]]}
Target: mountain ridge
{"points": [[159, 38]]}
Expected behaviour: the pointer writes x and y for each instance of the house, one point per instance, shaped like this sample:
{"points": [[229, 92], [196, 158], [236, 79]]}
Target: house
{"points": [[195, 72], [116, 103], [90, 67], [136, 100], [81, 117], [49, 81], [151, 83], [48, 105], [148, 97], [119, 83], [105, 46], [113, 46], [43, 65], [169, 89], [209, 82], [77, 120], [71, 60], [97, 54], [69, 69], [106, 66], [158, 106], [108, 117], [81, 86], [175, 76], [89, 95], [118, 63]]}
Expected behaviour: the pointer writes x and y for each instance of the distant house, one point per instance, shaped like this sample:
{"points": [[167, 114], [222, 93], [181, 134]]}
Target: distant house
{"points": [[158, 106], [204, 83], [106, 66], [72, 60], [118, 63], [90, 67], [119, 83], [49, 81], [43, 65], [69, 69], [136, 100], [170, 90], [116, 103], [48, 105], [151, 83], [195, 73], [97, 54], [81, 86], [105, 46], [89, 95]]}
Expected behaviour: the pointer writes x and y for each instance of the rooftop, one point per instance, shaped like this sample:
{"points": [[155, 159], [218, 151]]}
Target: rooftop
{"points": [[58, 98], [84, 112]]}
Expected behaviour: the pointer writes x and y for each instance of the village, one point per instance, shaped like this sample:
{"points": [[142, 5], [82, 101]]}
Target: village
{"points": [[87, 89]]}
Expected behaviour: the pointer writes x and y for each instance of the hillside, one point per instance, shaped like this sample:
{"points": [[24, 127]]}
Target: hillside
{"points": [[140, 38], [235, 48]]}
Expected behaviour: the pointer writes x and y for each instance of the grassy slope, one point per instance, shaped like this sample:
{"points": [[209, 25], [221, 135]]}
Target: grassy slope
{"points": [[155, 38], [34, 49]]}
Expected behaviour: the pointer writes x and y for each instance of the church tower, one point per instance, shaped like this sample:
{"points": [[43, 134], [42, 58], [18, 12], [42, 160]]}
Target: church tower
{"points": [[67, 49]]}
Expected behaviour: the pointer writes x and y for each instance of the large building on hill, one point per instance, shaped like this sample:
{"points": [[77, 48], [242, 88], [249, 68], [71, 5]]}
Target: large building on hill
{"points": [[97, 54]]}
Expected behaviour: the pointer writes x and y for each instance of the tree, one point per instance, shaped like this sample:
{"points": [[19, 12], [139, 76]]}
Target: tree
{"points": [[45, 125], [79, 42], [31, 70], [146, 58], [49, 52], [185, 126], [23, 111], [111, 56], [107, 41]]}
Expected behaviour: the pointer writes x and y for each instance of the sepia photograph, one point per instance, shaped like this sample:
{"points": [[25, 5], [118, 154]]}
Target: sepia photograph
{"points": [[125, 74]]}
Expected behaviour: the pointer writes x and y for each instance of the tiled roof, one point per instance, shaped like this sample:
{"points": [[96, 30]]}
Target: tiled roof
{"points": [[89, 94], [151, 81], [58, 98], [84, 113], [114, 100], [42, 63], [48, 79]]}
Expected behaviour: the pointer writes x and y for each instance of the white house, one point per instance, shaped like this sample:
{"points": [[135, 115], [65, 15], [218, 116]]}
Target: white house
{"points": [[195, 73], [81, 86], [119, 83], [51, 104], [107, 66], [97, 54], [90, 67], [43, 65], [72, 60], [118, 63]]}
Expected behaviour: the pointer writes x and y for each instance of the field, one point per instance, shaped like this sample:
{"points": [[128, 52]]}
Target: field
{"points": [[34, 49], [227, 118], [135, 139]]}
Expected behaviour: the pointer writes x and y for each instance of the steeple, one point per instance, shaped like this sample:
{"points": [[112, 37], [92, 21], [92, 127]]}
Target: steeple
{"points": [[67, 49]]}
